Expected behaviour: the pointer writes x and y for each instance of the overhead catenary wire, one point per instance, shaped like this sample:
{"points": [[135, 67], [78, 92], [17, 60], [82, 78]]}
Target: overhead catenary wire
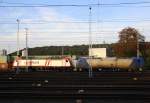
{"points": [[77, 22], [122, 4]]}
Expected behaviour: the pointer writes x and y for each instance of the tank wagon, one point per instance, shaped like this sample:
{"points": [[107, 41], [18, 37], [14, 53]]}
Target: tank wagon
{"points": [[129, 64]]}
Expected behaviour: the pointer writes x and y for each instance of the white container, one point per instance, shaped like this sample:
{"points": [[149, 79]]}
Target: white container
{"points": [[23, 52], [97, 52]]}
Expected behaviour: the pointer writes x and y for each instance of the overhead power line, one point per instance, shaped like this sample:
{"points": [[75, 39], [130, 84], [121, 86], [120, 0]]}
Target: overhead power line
{"points": [[122, 3], [10, 4], [70, 6], [77, 22]]}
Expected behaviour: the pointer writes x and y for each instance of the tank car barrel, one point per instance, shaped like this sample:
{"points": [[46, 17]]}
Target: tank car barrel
{"points": [[110, 63]]}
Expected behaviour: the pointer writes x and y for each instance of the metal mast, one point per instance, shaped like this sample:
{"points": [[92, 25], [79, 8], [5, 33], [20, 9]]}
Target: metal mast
{"points": [[26, 29], [18, 45], [138, 51], [62, 51], [90, 44], [18, 48]]}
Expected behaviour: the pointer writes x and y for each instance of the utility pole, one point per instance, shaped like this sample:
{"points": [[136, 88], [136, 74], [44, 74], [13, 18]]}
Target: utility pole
{"points": [[18, 45], [138, 51], [62, 51], [8, 48], [90, 44], [26, 30], [18, 48]]}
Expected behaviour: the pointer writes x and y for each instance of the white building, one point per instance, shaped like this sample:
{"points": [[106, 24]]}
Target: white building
{"points": [[24, 52], [98, 52]]}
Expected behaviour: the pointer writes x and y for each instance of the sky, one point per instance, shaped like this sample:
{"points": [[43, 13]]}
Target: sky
{"points": [[69, 25]]}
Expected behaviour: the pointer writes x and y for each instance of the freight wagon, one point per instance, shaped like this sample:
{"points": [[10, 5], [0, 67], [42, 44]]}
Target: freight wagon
{"points": [[128, 64]]}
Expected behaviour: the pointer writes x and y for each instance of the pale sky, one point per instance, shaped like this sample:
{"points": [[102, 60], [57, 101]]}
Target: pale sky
{"points": [[68, 25]]}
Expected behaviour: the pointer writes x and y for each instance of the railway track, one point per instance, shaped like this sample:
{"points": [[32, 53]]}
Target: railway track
{"points": [[75, 85]]}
